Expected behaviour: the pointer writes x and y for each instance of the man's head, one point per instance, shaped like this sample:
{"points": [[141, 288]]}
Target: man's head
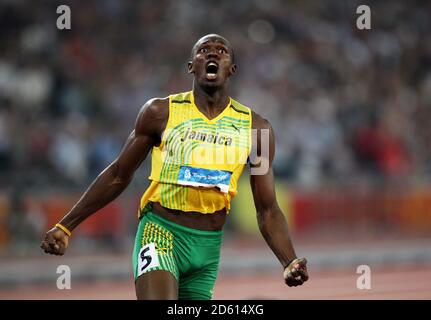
{"points": [[212, 61]]}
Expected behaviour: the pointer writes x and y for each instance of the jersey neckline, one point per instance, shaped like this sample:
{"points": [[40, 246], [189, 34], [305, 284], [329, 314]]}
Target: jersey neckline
{"points": [[218, 117]]}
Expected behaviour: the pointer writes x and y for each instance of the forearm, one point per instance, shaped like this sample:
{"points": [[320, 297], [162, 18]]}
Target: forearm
{"points": [[274, 229], [104, 189]]}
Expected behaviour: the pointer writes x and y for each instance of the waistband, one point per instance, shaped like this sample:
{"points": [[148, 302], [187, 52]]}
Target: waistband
{"points": [[175, 227]]}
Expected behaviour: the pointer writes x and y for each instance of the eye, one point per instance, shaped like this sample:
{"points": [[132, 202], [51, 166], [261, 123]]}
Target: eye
{"points": [[203, 50], [222, 51]]}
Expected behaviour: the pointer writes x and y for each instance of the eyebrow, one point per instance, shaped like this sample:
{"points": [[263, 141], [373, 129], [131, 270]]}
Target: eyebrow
{"points": [[215, 40], [218, 42]]}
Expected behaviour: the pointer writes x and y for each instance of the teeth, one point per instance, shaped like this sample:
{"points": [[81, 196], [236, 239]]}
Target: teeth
{"points": [[211, 76]]}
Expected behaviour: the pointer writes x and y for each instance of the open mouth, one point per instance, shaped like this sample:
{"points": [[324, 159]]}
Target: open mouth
{"points": [[211, 70]]}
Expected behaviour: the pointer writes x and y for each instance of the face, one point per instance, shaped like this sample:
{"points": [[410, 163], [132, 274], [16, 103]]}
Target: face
{"points": [[212, 61]]}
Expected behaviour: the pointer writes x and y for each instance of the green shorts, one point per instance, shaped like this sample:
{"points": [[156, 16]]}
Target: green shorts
{"points": [[191, 255]]}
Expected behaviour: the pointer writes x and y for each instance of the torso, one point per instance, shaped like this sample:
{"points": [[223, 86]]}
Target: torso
{"points": [[196, 220], [210, 222]]}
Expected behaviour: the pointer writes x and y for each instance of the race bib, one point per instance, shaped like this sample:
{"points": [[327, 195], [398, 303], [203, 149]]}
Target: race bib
{"points": [[200, 177], [147, 258]]}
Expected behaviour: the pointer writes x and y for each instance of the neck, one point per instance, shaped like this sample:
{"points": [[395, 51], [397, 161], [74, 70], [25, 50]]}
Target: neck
{"points": [[210, 101]]}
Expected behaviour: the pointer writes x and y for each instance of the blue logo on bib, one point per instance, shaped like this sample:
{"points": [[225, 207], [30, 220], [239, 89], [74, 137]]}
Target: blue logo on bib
{"points": [[200, 177]]}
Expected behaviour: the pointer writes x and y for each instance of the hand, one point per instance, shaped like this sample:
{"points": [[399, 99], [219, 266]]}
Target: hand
{"points": [[296, 273], [56, 242]]}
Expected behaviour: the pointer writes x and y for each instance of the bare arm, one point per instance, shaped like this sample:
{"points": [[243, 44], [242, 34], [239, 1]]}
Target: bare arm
{"points": [[271, 220], [112, 181]]}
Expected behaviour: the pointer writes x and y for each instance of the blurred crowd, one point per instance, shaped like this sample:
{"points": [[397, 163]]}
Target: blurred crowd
{"points": [[348, 106]]}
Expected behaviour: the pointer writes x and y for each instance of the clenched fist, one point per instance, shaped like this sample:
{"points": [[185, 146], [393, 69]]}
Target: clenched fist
{"points": [[55, 242], [296, 273]]}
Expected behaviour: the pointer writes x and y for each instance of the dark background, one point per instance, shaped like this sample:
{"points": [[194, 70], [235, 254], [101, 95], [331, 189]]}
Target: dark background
{"points": [[350, 109]]}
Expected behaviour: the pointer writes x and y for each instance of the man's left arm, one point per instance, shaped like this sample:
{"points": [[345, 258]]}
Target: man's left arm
{"points": [[271, 220]]}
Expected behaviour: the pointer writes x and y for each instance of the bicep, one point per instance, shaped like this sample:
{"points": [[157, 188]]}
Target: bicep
{"points": [[135, 150], [263, 190], [139, 142], [261, 172]]}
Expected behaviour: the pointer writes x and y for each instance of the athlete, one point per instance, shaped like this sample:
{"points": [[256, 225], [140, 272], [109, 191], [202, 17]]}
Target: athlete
{"points": [[200, 142]]}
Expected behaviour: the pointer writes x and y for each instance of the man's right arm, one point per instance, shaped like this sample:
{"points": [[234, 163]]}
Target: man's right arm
{"points": [[112, 181]]}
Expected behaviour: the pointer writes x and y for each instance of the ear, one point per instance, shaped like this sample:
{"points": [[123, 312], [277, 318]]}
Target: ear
{"points": [[232, 69], [190, 68]]}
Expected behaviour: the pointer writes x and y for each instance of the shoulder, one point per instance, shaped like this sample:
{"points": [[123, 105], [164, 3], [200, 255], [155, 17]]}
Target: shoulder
{"points": [[239, 107], [156, 107], [260, 122], [153, 116]]}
